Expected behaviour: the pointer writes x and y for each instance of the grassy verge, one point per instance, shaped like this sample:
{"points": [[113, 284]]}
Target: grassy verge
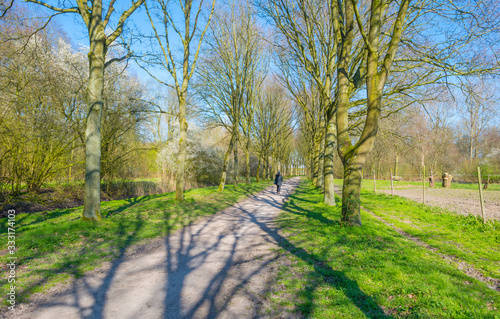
{"points": [[367, 272], [54, 246]]}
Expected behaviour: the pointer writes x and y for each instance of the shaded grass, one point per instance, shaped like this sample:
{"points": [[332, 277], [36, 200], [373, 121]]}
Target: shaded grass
{"points": [[367, 272], [57, 245]]}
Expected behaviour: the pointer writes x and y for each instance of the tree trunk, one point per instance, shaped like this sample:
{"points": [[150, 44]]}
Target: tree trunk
{"points": [[235, 153], [321, 163], [226, 163], [351, 190], [268, 168], [258, 171], [315, 163], [181, 157], [247, 162], [396, 162], [97, 54], [329, 198]]}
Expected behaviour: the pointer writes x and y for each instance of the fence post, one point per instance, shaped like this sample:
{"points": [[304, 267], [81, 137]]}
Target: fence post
{"points": [[480, 192], [423, 185], [392, 185], [374, 182]]}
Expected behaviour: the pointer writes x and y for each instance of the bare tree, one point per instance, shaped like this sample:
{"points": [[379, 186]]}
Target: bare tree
{"points": [[273, 126], [478, 110], [230, 76], [191, 33], [5, 6], [308, 37], [96, 21]]}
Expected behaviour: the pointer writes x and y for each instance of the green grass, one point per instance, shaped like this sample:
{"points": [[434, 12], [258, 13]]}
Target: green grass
{"points": [[57, 245], [386, 185], [464, 237], [369, 271]]}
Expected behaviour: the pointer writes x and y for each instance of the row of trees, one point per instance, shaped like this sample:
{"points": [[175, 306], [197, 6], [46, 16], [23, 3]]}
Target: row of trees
{"points": [[53, 109], [314, 82], [350, 64]]}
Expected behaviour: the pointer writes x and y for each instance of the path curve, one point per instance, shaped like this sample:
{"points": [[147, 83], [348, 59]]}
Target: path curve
{"points": [[218, 267]]}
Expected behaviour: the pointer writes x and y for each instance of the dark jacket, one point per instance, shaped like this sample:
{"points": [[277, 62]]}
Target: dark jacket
{"points": [[278, 180]]}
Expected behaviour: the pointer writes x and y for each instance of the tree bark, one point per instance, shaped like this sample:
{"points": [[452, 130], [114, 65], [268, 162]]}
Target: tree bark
{"points": [[247, 162], [321, 164], [396, 162], [181, 157], [235, 154], [351, 190], [315, 163], [329, 198], [268, 168], [97, 54], [226, 163], [258, 171]]}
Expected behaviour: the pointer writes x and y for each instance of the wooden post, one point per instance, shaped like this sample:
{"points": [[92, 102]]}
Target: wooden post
{"points": [[423, 185], [392, 185], [374, 182], [480, 192]]}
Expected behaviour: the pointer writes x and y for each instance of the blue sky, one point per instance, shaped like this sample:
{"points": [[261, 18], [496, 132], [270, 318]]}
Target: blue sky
{"points": [[76, 30]]}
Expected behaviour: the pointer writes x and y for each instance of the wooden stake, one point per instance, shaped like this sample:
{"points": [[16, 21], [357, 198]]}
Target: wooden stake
{"points": [[480, 192], [392, 185], [374, 182], [423, 186]]}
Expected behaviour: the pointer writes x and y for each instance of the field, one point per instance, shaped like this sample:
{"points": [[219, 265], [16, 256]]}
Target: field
{"points": [[461, 198]]}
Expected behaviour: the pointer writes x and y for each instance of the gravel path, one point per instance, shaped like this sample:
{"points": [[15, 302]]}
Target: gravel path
{"points": [[218, 267]]}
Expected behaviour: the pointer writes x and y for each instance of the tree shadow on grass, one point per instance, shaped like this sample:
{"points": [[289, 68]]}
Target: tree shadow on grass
{"points": [[74, 266], [326, 275], [130, 202]]}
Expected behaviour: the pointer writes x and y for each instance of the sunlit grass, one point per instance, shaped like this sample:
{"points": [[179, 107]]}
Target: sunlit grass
{"points": [[369, 271]]}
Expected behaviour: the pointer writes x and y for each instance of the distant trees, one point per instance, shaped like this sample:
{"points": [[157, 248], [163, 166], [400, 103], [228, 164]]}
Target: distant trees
{"points": [[325, 81], [191, 31], [43, 103], [96, 21], [229, 79], [478, 110], [273, 129]]}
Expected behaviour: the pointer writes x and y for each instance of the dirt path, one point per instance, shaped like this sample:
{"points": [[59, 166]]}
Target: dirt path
{"points": [[462, 201], [218, 267]]}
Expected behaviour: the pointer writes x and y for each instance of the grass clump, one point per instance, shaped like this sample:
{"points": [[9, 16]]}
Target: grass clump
{"points": [[54, 246], [367, 272]]}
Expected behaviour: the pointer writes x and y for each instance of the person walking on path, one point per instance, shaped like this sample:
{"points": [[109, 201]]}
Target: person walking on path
{"points": [[278, 180]]}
